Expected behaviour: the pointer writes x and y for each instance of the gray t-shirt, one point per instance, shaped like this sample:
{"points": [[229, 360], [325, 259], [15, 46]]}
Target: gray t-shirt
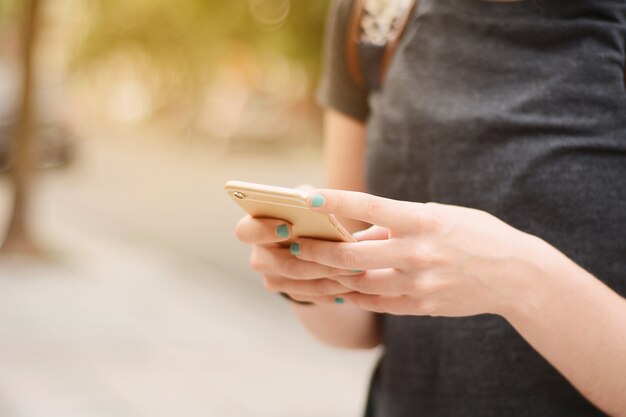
{"points": [[518, 109]]}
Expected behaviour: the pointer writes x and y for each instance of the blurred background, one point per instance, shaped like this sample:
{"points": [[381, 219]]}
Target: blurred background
{"points": [[123, 291]]}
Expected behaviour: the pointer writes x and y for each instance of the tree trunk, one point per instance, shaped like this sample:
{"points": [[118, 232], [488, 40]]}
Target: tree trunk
{"points": [[18, 239]]}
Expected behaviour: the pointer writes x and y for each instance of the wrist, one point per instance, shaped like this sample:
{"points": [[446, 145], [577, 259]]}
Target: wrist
{"points": [[534, 277]]}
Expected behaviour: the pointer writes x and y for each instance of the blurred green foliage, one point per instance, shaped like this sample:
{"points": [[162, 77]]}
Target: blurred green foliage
{"points": [[7, 9], [191, 36]]}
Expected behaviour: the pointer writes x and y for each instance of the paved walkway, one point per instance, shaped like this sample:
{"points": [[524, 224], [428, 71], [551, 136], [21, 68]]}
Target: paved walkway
{"points": [[147, 307]]}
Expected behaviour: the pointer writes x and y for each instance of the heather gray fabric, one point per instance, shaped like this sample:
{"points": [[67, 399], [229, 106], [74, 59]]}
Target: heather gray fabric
{"points": [[518, 109]]}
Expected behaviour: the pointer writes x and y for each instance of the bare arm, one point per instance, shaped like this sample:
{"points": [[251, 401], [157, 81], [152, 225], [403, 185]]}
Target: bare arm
{"points": [[579, 325], [344, 154], [569, 316]]}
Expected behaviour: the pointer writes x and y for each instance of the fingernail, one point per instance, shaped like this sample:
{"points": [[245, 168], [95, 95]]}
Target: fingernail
{"points": [[317, 200], [339, 300], [294, 248], [282, 231]]}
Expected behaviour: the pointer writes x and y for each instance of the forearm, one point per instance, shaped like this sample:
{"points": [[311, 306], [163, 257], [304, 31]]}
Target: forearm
{"points": [[340, 325], [344, 151], [579, 325], [344, 157]]}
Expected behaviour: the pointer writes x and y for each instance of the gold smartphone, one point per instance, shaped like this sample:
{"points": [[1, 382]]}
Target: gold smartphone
{"points": [[289, 204]]}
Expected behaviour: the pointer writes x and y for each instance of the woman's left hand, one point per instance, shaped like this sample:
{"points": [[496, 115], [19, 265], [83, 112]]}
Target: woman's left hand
{"points": [[426, 259]]}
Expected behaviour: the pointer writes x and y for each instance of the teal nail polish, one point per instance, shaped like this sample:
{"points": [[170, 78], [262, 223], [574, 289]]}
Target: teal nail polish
{"points": [[294, 248], [282, 231], [339, 300], [318, 200]]}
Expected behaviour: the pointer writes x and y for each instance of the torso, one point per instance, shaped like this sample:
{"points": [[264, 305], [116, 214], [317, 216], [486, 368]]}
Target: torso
{"points": [[518, 109]]}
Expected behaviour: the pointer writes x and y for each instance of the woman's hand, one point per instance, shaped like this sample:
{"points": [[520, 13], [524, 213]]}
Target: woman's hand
{"points": [[302, 280], [425, 259]]}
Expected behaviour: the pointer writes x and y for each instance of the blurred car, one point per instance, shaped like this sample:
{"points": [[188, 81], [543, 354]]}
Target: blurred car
{"points": [[54, 142]]}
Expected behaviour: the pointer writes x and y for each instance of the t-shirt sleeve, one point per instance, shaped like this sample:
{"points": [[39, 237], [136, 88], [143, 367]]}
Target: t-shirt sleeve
{"points": [[337, 89]]}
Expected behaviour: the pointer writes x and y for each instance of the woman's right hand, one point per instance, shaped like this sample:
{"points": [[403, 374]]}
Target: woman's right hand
{"points": [[283, 272]]}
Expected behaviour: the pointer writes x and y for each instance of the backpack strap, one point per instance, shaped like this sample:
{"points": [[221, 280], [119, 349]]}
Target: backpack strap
{"points": [[354, 43], [353, 39]]}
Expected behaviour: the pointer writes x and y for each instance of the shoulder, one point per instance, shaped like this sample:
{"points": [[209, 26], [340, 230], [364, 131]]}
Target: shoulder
{"points": [[337, 89]]}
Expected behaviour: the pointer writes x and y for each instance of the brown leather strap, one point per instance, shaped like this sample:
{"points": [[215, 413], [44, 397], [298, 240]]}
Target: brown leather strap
{"points": [[353, 38], [392, 45]]}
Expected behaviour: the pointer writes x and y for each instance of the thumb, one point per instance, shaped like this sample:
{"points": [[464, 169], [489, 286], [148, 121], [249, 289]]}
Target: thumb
{"points": [[372, 233]]}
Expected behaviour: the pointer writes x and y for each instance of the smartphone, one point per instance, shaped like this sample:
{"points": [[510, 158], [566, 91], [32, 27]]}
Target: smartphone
{"points": [[289, 204]]}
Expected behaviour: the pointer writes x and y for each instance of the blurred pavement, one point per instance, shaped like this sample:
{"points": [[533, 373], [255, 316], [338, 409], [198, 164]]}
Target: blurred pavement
{"points": [[146, 306]]}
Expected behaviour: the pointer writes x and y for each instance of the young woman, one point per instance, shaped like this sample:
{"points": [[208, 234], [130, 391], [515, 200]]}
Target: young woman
{"points": [[503, 295]]}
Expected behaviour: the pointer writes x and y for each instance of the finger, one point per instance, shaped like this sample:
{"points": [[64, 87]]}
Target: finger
{"points": [[378, 303], [316, 287], [275, 260], [372, 233], [394, 282], [381, 211], [327, 299], [371, 254], [262, 231], [390, 281], [397, 305]]}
